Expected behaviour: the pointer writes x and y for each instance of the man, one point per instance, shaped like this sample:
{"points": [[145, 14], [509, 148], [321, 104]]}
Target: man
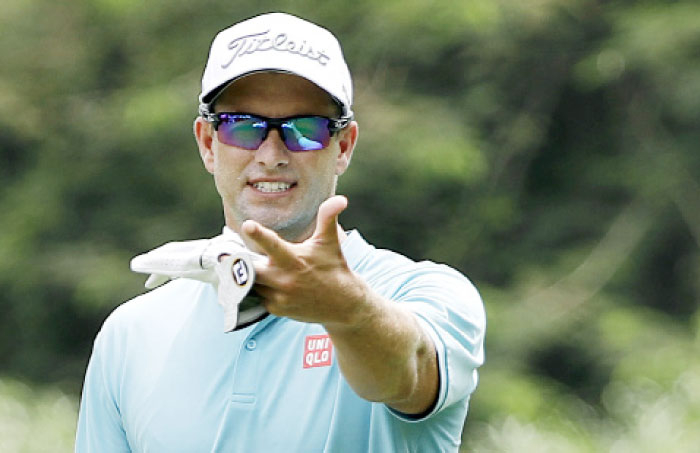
{"points": [[355, 350]]}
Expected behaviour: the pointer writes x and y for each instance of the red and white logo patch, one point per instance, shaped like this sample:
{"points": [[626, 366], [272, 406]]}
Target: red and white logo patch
{"points": [[318, 351]]}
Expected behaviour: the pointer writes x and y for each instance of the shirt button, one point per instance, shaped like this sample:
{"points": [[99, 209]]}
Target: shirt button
{"points": [[251, 344]]}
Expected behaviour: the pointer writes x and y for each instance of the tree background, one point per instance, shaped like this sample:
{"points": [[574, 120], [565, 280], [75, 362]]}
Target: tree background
{"points": [[546, 148]]}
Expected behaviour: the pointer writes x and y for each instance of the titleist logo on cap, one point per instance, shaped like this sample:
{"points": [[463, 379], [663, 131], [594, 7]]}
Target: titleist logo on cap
{"points": [[264, 41]]}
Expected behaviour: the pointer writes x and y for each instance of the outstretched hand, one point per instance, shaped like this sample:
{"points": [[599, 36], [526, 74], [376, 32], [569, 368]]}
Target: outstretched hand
{"points": [[308, 281], [381, 349]]}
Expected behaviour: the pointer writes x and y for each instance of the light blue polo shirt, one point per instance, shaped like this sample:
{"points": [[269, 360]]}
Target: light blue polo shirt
{"points": [[164, 377]]}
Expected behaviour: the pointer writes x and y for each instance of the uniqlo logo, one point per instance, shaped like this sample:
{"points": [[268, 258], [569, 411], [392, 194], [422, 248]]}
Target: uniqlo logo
{"points": [[318, 351]]}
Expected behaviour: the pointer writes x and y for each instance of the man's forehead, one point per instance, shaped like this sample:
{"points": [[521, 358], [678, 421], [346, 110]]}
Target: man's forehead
{"points": [[274, 85]]}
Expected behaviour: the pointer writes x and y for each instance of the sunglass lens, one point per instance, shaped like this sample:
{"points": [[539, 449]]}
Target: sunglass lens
{"points": [[242, 131], [306, 133]]}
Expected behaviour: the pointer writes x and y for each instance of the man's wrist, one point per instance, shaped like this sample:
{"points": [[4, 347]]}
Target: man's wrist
{"points": [[361, 306]]}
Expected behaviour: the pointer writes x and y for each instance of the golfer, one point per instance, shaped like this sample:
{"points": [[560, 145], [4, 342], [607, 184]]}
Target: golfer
{"points": [[286, 333]]}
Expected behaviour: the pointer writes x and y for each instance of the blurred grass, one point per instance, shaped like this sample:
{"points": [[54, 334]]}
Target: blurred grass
{"points": [[646, 418], [35, 419]]}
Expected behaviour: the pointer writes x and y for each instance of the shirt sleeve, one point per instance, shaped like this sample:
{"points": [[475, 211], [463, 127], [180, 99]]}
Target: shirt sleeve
{"points": [[451, 312], [99, 422]]}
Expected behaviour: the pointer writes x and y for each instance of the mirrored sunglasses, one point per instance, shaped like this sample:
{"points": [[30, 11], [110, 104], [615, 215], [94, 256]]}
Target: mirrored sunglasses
{"points": [[299, 133]]}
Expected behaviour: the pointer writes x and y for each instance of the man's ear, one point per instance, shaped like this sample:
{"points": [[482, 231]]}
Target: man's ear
{"points": [[347, 138], [203, 133]]}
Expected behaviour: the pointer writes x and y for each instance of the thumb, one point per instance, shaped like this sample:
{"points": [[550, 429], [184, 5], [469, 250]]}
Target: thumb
{"points": [[327, 218]]}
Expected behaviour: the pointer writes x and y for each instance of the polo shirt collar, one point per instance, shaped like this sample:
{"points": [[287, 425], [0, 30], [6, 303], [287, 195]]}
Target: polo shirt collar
{"points": [[355, 249]]}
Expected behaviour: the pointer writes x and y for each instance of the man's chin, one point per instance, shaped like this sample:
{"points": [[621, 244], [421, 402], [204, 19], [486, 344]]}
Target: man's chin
{"points": [[288, 226], [288, 230]]}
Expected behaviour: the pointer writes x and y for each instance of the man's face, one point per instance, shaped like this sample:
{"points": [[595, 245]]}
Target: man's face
{"points": [[272, 185]]}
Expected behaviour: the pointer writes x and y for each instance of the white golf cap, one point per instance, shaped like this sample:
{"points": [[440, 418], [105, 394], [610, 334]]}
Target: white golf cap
{"points": [[277, 42]]}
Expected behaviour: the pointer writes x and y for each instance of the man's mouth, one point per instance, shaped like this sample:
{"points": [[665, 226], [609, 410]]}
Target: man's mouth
{"points": [[272, 186]]}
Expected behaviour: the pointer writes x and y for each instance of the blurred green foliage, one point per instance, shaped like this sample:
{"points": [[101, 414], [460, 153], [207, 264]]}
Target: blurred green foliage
{"points": [[546, 148]]}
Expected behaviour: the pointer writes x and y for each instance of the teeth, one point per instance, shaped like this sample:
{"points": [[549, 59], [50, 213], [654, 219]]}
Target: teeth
{"points": [[272, 186]]}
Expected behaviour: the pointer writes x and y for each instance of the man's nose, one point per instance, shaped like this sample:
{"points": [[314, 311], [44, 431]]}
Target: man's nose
{"points": [[272, 152]]}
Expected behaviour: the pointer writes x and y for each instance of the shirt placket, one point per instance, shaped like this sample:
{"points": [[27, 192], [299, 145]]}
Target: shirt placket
{"points": [[246, 372]]}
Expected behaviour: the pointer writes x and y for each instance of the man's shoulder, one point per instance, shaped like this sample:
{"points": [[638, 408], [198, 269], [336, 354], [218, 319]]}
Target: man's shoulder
{"points": [[399, 277], [385, 263], [160, 305]]}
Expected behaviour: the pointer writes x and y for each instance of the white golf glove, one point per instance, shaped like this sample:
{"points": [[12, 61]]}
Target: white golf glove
{"points": [[224, 261]]}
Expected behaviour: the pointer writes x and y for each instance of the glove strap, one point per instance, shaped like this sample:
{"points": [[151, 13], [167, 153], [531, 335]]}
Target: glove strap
{"points": [[236, 278]]}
